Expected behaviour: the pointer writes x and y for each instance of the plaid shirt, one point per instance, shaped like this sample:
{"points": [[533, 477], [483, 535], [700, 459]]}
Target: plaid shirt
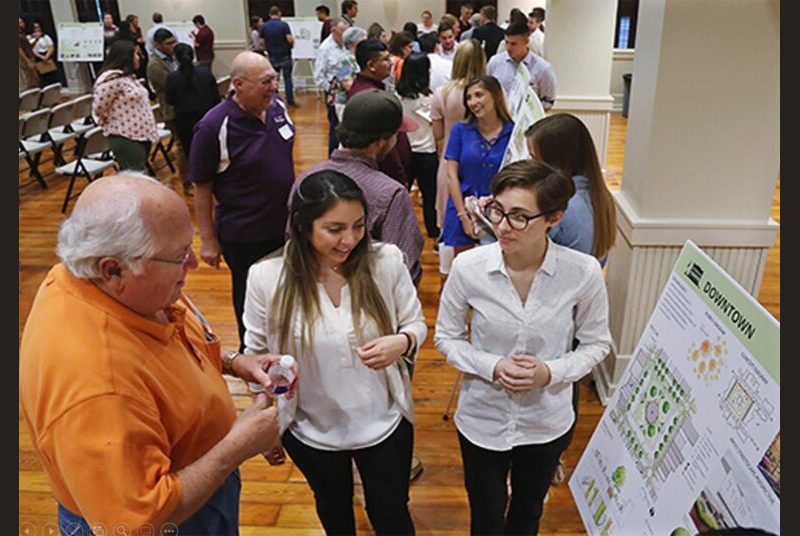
{"points": [[391, 214]]}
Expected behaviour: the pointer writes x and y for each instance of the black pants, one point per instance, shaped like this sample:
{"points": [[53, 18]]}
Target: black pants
{"points": [[333, 122], [384, 470], [239, 258], [423, 168], [485, 477]]}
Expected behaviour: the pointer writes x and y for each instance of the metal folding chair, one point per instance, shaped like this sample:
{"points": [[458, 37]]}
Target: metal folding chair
{"points": [[29, 100], [94, 143], [33, 141], [50, 95]]}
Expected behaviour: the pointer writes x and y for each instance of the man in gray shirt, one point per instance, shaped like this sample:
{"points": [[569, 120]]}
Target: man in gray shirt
{"points": [[504, 65]]}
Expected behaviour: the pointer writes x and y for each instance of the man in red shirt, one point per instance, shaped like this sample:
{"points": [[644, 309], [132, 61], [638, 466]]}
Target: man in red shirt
{"points": [[324, 16], [203, 42], [375, 62]]}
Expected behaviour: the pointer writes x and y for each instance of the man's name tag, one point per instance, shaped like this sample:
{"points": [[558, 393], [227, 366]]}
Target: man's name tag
{"points": [[286, 132]]}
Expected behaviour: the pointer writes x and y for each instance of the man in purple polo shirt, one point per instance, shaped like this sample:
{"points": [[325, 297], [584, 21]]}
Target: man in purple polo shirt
{"points": [[241, 156], [368, 131]]}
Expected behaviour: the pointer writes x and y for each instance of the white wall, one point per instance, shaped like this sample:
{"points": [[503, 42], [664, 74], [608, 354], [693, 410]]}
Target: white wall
{"points": [[228, 19], [579, 46], [392, 14], [504, 8]]}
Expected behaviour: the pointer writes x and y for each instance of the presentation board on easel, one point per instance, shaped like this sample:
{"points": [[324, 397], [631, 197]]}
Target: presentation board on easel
{"points": [[80, 41], [690, 442], [183, 31], [306, 32]]}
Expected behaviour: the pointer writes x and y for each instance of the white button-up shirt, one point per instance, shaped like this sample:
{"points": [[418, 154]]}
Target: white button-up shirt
{"points": [[567, 300], [329, 55], [341, 404], [543, 77]]}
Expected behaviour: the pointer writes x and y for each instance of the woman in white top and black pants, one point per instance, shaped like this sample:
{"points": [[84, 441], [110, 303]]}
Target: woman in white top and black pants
{"points": [[529, 299], [348, 311], [416, 96]]}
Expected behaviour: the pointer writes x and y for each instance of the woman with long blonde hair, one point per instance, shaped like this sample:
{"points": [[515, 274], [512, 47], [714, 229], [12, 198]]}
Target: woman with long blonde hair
{"points": [[348, 311]]}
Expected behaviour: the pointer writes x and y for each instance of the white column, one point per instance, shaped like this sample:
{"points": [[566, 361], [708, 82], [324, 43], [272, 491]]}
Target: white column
{"points": [[579, 45], [76, 73], [701, 157]]}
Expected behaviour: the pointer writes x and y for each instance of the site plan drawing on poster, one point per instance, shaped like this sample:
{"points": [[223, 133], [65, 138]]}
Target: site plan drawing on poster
{"points": [[80, 41], [691, 439]]}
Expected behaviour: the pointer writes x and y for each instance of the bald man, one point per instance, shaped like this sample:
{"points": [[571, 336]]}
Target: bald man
{"points": [[120, 377], [241, 155]]}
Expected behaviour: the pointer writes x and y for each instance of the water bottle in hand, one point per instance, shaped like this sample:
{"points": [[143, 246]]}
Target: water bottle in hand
{"points": [[281, 374]]}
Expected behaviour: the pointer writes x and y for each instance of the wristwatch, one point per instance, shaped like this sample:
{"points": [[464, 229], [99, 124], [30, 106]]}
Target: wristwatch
{"points": [[227, 362]]}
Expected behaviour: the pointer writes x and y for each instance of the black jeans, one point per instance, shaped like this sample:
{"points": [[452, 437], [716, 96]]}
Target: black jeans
{"points": [[333, 122], [239, 258], [423, 168], [384, 469], [485, 477]]}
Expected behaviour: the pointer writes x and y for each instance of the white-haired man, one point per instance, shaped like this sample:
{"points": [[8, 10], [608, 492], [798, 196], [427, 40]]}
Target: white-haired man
{"points": [[330, 55], [120, 376]]}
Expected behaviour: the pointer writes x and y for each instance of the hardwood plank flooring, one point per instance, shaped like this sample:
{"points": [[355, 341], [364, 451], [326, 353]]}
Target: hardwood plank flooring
{"points": [[276, 500]]}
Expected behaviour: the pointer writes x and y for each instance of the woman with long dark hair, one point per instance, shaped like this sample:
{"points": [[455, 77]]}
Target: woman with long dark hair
{"points": [[192, 91], [508, 315], [474, 153], [122, 107], [347, 310], [130, 30], [415, 95], [589, 224]]}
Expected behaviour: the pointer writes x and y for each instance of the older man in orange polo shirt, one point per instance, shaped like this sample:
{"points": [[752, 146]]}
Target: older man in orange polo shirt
{"points": [[120, 376]]}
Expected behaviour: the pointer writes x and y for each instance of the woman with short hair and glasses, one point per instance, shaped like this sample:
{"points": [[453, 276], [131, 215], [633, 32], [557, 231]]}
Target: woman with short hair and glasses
{"points": [[527, 298]]}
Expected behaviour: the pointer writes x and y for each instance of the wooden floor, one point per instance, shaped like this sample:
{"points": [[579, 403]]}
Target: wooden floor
{"points": [[276, 500]]}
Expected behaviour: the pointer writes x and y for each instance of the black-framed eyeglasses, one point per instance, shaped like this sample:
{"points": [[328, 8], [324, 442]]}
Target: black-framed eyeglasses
{"points": [[516, 220]]}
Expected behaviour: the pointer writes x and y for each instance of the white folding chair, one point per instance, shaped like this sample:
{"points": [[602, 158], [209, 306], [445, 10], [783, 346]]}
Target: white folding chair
{"points": [[82, 119], [59, 129], [33, 141], [50, 95], [163, 134], [93, 143], [29, 100], [223, 85]]}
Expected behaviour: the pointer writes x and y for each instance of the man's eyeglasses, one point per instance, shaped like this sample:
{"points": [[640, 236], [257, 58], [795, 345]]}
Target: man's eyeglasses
{"points": [[267, 81], [516, 220], [183, 261]]}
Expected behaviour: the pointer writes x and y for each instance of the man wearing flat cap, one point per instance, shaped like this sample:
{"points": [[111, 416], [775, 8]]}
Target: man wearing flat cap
{"points": [[368, 131]]}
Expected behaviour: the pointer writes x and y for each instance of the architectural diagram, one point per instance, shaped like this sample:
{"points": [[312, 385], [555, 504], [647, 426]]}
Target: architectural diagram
{"points": [[653, 415]]}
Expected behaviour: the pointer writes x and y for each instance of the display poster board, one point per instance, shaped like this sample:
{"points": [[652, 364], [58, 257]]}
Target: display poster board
{"points": [[526, 108], [306, 32], [80, 41], [691, 438], [183, 31]]}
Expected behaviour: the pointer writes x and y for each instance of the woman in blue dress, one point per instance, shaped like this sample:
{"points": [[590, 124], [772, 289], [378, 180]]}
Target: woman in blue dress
{"points": [[473, 156]]}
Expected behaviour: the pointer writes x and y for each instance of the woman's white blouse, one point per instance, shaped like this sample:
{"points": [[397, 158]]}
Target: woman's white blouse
{"points": [[341, 404], [567, 300]]}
